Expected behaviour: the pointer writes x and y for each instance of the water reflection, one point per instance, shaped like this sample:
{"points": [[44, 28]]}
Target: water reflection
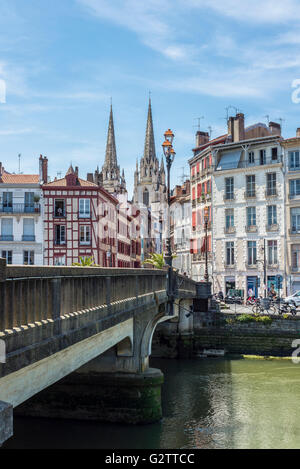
{"points": [[207, 404]]}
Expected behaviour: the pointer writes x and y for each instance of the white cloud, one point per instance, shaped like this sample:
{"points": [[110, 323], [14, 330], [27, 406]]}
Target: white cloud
{"points": [[9, 132], [151, 21]]}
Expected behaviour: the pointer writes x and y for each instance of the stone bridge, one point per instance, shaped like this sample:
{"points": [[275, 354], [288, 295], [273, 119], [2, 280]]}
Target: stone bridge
{"points": [[77, 341]]}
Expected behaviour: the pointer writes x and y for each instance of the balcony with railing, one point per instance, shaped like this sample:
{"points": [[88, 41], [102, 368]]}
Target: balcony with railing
{"points": [[224, 166], [272, 227], [271, 192], [20, 208], [6, 238], [28, 238], [295, 230], [251, 228], [250, 194], [229, 229], [229, 197]]}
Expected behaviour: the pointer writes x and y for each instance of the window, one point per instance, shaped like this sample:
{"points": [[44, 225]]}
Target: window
{"points": [[60, 234], [274, 153], [229, 188], [271, 184], [146, 197], [251, 157], [229, 218], [262, 155], [250, 186], [28, 258], [8, 256], [252, 253], [294, 187], [251, 216], [60, 260], [7, 229], [59, 208], [29, 202], [7, 201], [28, 229], [84, 208], [272, 252], [295, 219], [272, 215], [85, 234], [230, 253], [294, 160], [296, 257]]}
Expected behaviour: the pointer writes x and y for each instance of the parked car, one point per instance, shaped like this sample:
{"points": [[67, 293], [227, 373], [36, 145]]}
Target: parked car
{"points": [[293, 299]]}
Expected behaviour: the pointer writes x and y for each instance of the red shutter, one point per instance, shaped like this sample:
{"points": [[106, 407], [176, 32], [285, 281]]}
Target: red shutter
{"points": [[195, 246], [193, 193], [194, 221], [199, 190], [198, 167], [210, 161], [193, 170]]}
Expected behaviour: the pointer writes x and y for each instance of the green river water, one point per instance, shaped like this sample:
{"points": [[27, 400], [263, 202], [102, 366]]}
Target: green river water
{"points": [[206, 404]]}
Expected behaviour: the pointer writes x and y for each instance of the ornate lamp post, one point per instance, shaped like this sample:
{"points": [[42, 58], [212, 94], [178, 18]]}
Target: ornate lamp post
{"points": [[169, 155], [206, 218]]}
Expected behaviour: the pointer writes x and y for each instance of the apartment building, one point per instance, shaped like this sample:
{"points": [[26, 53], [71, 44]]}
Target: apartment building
{"points": [[79, 221], [201, 169], [248, 200], [291, 148], [21, 235], [181, 216]]}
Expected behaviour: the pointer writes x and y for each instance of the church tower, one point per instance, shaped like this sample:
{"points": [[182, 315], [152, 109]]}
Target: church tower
{"points": [[110, 177], [149, 178]]}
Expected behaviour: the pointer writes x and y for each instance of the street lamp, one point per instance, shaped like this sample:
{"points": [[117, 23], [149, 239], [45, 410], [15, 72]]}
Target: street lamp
{"points": [[206, 218], [169, 155]]}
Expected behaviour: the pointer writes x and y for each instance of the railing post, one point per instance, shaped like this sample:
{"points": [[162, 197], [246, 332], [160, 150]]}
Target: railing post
{"points": [[108, 292], [56, 297]]}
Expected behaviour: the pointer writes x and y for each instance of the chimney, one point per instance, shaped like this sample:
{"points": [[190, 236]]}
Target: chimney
{"points": [[76, 170], [275, 128], [90, 177], [40, 169], [45, 170], [1, 169], [201, 138], [297, 135], [239, 128], [231, 127]]}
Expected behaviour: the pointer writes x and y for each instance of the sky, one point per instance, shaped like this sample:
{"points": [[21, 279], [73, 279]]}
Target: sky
{"points": [[62, 61]]}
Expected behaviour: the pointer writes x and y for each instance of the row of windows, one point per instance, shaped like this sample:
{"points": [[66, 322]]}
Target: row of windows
{"points": [[272, 252], [84, 208], [271, 180], [251, 216], [84, 234], [7, 229], [28, 257]]}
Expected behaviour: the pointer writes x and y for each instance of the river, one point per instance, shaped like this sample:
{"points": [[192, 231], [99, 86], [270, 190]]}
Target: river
{"points": [[206, 404]]}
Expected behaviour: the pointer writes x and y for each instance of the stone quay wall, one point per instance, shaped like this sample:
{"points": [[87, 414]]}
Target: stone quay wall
{"points": [[223, 331]]}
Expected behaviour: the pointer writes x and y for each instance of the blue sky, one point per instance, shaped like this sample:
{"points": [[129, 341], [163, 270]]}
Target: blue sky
{"points": [[63, 60]]}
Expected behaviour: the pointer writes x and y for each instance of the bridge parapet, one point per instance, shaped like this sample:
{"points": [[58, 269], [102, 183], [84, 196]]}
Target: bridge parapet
{"points": [[32, 294]]}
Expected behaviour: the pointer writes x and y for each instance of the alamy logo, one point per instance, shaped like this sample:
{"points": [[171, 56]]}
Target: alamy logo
{"points": [[296, 353], [2, 91], [296, 93], [2, 351]]}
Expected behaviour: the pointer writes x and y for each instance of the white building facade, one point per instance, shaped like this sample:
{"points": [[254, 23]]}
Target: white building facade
{"points": [[21, 217], [248, 219]]}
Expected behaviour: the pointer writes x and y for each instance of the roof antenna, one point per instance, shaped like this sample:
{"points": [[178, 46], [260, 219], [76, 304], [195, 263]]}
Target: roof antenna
{"points": [[210, 130], [19, 156], [199, 119], [268, 118], [183, 176], [281, 121]]}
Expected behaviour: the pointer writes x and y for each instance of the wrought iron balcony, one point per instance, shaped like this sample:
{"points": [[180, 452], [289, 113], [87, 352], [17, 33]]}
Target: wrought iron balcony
{"points": [[20, 208], [251, 229], [229, 229], [28, 238], [273, 227], [229, 197], [250, 195], [6, 238], [271, 192]]}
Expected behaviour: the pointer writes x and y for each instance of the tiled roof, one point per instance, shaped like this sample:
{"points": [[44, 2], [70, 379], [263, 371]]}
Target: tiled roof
{"points": [[7, 178], [63, 183]]}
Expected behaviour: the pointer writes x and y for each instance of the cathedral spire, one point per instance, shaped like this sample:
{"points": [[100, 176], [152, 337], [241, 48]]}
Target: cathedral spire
{"points": [[111, 152], [149, 151]]}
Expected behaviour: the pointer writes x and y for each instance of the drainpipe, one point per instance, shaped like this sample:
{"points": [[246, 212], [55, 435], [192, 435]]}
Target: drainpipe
{"points": [[284, 219]]}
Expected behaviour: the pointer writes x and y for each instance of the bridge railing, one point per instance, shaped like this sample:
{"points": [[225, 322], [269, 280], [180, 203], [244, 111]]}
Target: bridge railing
{"points": [[32, 294]]}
